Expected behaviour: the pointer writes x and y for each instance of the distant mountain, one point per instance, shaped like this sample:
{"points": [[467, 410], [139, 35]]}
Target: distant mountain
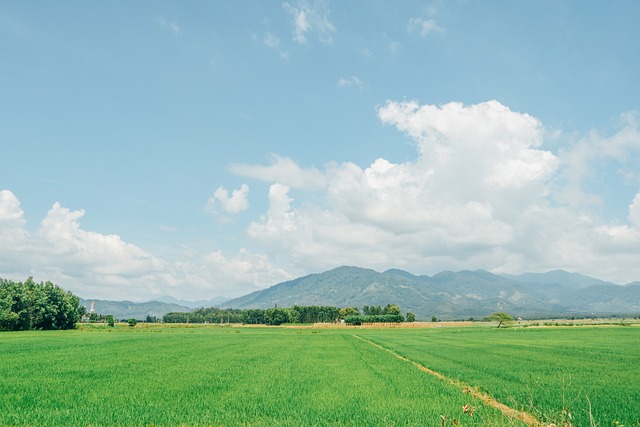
{"points": [[452, 295], [130, 309], [213, 302]]}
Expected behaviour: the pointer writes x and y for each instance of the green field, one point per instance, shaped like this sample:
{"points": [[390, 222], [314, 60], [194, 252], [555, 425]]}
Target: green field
{"points": [[279, 376]]}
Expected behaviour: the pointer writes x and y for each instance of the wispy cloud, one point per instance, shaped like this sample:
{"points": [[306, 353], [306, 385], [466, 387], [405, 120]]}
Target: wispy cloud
{"points": [[350, 81], [424, 26], [310, 18], [169, 26], [273, 42]]}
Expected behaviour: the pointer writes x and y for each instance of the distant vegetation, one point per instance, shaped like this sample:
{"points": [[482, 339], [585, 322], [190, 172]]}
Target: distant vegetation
{"points": [[296, 314], [31, 305]]}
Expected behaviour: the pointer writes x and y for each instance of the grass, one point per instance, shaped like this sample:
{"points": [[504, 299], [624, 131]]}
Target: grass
{"points": [[221, 377], [561, 375]]}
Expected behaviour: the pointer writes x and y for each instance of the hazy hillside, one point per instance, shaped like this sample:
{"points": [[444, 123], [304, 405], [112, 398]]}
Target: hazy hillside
{"points": [[130, 309], [213, 302], [452, 295]]}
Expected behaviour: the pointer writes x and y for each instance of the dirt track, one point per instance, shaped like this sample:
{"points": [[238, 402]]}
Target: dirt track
{"points": [[525, 417]]}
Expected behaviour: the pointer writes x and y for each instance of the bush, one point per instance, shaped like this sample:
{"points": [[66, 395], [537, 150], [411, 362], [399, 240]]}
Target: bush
{"points": [[132, 322]]}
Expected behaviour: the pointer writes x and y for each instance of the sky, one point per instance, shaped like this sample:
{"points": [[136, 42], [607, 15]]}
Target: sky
{"points": [[213, 148]]}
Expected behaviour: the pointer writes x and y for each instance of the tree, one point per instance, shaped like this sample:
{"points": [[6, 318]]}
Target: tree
{"points": [[349, 311], [32, 305], [391, 309], [132, 322], [110, 321], [410, 317], [276, 316], [500, 317]]}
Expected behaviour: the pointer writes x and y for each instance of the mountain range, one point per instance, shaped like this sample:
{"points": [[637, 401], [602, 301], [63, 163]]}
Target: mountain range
{"points": [[446, 295], [453, 295]]}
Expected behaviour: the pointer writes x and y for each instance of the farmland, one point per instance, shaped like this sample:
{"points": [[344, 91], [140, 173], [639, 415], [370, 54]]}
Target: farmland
{"points": [[227, 376]]}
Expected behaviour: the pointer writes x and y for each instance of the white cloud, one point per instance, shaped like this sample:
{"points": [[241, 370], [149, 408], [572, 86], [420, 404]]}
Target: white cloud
{"points": [[424, 26], [169, 26], [284, 171], [95, 265], [481, 193], [273, 42], [350, 81], [233, 203], [586, 160], [310, 17]]}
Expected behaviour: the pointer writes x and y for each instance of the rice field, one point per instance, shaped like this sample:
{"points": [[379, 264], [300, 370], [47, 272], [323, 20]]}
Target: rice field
{"points": [[579, 375], [236, 376]]}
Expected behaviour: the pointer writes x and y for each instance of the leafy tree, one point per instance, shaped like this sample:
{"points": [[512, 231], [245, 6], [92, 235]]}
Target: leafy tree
{"points": [[410, 317], [110, 321], [349, 311], [32, 305], [391, 309], [132, 322], [276, 316], [500, 317]]}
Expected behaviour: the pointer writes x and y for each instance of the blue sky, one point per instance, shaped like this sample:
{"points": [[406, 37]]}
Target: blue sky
{"points": [[214, 148]]}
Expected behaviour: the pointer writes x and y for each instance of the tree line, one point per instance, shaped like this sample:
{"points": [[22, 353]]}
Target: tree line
{"points": [[31, 306], [294, 314]]}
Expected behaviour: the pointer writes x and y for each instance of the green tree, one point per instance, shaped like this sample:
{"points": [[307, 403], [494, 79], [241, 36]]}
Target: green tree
{"points": [[349, 311], [410, 317], [391, 309], [132, 322], [32, 305], [110, 320], [276, 316], [500, 317]]}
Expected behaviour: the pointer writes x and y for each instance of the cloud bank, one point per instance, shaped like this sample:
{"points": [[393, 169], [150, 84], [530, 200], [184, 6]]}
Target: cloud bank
{"points": [[482, 191]]}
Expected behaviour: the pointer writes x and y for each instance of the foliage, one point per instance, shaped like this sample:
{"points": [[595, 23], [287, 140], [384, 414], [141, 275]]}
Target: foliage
{"points": [[500, 317], [110, 320], [382, 318], [349, 311], [31, 305], [410, 317], [132, 322], [256, 316]]}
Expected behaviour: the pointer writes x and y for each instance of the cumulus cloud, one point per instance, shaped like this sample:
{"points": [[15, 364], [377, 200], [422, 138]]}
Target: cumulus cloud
{"points": [[233, 203], [282, 170], [95, 265], [481, 193], [310, 18]]}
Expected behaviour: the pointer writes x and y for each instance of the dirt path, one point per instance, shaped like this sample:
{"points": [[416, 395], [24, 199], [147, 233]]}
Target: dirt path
{"points": [[525, 417]]}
